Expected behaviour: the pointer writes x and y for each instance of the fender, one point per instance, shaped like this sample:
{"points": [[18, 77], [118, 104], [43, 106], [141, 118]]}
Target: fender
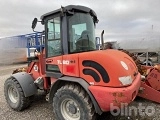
{"points": [[27, 83], [59, 83]]}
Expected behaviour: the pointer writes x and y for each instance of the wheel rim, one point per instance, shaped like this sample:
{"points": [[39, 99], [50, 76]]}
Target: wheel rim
{"points": [[70, 110], [13, 94]]}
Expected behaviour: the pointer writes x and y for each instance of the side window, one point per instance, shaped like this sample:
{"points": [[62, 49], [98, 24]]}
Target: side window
{"points": [[75, 34], [54, 37]]}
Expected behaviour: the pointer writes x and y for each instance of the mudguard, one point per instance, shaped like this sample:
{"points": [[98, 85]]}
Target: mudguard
{"points": [[81, 82], [27, 83]]}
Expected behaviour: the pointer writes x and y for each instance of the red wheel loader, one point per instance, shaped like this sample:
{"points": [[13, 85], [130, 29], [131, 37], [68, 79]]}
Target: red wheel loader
{"points": [[80, 81]]}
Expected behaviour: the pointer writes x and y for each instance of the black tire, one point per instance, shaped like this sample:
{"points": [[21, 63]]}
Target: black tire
{"points": [[14, 95], [74, 99]]}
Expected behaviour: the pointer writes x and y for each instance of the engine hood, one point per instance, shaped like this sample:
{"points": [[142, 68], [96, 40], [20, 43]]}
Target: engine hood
{"points": [[110, 68]]}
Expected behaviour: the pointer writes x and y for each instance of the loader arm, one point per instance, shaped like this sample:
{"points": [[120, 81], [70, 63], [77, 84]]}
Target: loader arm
{"points": [[150, 84]]}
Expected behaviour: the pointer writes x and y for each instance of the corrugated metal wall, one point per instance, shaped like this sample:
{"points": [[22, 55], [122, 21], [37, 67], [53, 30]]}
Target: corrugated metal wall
{"points": [[13, 49]]}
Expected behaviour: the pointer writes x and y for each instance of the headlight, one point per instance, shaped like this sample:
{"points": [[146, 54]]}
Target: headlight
{"points": [[126, 80]]}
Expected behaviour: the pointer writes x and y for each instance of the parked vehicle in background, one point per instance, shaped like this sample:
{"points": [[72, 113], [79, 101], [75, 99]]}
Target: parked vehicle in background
{"points": [[152, 58], [16, 49]]}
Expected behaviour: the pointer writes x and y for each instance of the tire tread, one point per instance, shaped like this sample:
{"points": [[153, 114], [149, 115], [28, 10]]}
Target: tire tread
{"points": [[78, 90], [24, 101]]}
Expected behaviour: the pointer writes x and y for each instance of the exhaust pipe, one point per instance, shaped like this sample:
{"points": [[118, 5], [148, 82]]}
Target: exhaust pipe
{"points": [[102, 40]]}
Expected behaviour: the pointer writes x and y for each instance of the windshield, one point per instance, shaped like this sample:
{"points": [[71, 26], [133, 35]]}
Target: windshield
{"points": [[81, 33]]}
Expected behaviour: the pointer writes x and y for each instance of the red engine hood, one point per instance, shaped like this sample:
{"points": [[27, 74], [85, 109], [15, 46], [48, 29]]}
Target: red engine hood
{"points": [[110, 68]]}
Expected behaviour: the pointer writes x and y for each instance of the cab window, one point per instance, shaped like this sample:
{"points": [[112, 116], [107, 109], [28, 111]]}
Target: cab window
{"points": [[54, 37]]}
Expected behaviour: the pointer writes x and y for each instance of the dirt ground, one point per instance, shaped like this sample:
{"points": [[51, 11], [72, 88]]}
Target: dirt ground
{"points": [[41, 110]]}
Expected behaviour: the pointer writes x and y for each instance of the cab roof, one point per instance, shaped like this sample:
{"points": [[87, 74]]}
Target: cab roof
{"points": [[71, 8]]}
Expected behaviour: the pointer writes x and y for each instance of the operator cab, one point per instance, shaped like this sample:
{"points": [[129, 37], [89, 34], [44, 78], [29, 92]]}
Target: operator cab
{"points": [[70, 29]]}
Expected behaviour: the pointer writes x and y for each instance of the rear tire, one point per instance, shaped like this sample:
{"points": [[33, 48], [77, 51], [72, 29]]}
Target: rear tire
{"points": [[71, 102], [14, 95]]}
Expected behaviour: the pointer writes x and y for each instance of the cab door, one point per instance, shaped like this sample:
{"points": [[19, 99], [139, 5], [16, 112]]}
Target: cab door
{"points": [[53, 47]]}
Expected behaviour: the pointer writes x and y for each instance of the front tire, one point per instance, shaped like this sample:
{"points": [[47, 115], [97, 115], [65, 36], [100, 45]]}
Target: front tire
{"points": [[71, 102], [14, 95]]}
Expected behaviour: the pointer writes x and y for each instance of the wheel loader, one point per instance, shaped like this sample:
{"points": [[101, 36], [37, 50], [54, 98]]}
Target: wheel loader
{"points": [[80, 81]]}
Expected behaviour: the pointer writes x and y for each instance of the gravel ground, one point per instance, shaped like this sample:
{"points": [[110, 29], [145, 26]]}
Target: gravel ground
{"points": [[41, 110]]}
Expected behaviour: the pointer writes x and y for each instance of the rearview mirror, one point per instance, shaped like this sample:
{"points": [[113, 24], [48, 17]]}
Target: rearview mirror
{"points": [[34, 23]]}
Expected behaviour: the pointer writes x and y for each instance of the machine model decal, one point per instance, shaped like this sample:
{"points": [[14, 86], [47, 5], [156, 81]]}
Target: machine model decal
{"points": [[64, 62], [98, 67], [72, 61]]}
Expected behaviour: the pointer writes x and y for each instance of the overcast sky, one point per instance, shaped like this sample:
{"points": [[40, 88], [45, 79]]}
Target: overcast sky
{"points": [[117, 17]]}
